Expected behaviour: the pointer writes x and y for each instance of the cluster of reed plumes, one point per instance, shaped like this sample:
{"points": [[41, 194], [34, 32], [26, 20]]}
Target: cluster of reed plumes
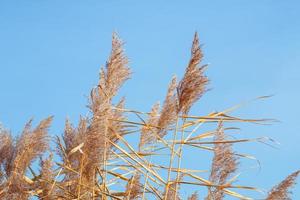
{"points": [[101, 157]]}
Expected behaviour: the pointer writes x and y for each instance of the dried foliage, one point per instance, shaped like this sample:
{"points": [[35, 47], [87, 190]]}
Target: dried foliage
{"points": [[31, 145], [6, 152], [99, 159], [194, 196], [224, 164], [133, 188], [104, 122], [172, 190], [169, 111], [192, 86], [149, 130], [45, 181], [281, 191]]}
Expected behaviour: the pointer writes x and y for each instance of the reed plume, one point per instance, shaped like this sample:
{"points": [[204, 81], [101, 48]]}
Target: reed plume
{"points": [[281, 191], [72, 155], [192, 86], [224, 164], [93, 136], [169, 110], [172, 191], [134, 188], [194, 196], [115, 123], [45, 185], [31, 145], [6, 152], [97, 160], [98, 133], [149, 130]]}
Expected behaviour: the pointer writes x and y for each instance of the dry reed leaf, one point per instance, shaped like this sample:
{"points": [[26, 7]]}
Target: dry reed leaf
{"points": [[77, 148]]}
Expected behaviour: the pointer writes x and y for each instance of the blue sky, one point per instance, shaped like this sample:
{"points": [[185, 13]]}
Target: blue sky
{"points": [[51, 53]]}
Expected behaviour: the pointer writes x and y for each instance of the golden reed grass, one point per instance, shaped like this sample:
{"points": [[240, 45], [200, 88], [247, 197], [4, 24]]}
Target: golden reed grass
{"points": [[97, 159]]}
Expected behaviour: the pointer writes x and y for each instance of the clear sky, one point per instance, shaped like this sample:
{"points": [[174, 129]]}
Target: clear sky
{"points": [[51, 53]]}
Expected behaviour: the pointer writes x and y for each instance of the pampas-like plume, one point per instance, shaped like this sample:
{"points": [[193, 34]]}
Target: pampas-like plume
{"points": [[6, 152], [169, 110], [69, 136], [192, 86], [31, 145], [112, 77], [45, 180], [72, 138], [95, 165], [117, 69], [281, 191], [7, 149], [194, 196], [116, 125], [149, 130], [172, 191], [99, 132], [224, 164], [133, 188]]}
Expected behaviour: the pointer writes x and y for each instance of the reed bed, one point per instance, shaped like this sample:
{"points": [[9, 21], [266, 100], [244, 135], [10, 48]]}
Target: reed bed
{"points": [[125, 154]]}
